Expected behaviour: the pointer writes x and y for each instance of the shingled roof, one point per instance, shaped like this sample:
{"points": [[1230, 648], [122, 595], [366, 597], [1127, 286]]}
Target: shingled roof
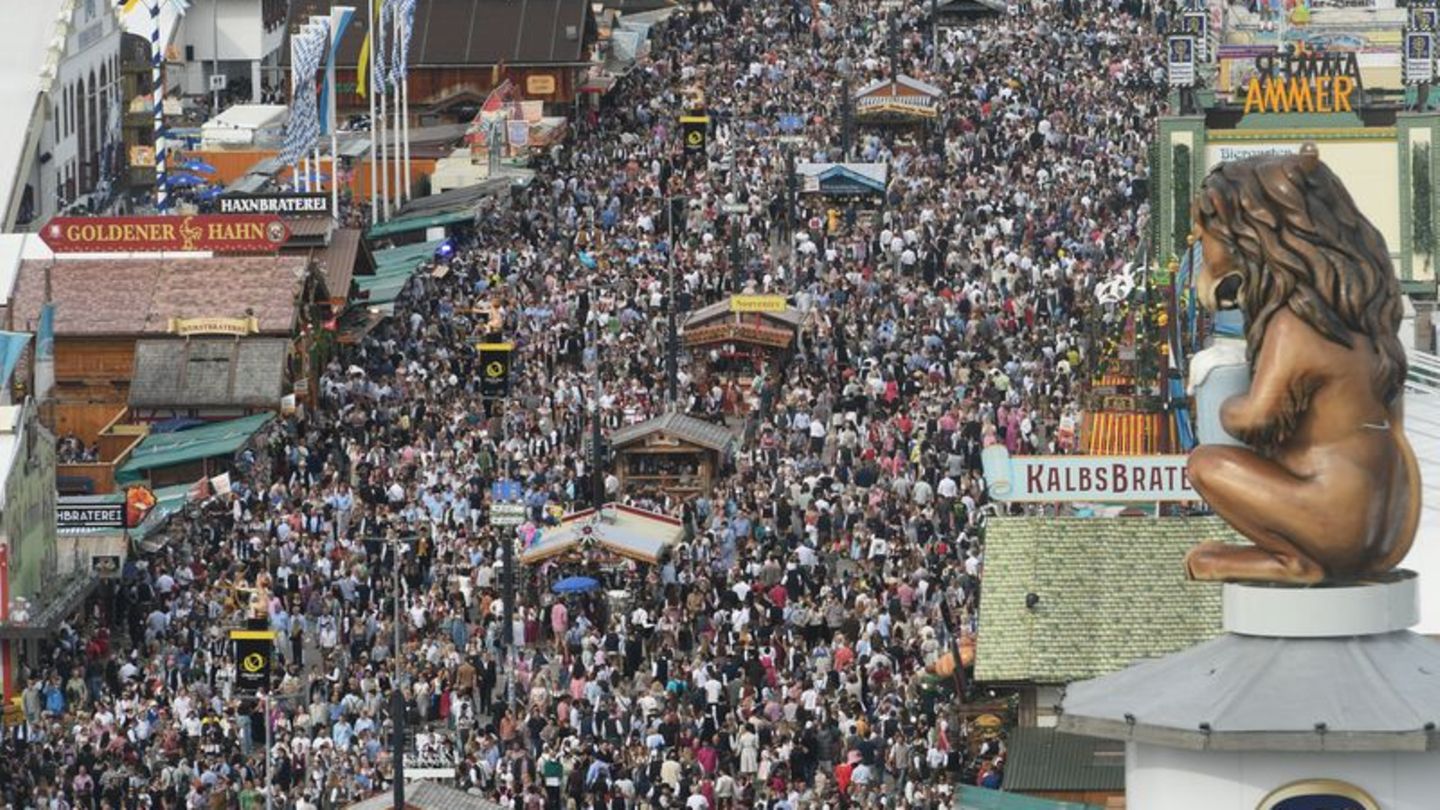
{"points": [[428, 796], [119, 297], [1112, 591], [209, 372], [676, 426]]}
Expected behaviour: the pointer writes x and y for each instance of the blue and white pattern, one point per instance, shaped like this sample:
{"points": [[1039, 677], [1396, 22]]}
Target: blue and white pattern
{"points": [[307, 49], [379, 71], [400, 56]]}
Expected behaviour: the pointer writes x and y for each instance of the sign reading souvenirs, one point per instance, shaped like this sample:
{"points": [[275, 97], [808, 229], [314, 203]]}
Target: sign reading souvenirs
{"points": [[1109, 479], [275, 204], [218, 233], [236, 327], [693, 130], [90, 516], [253, 651], [757, 303], [1419, 57], [495, 370], [1303, 81]]}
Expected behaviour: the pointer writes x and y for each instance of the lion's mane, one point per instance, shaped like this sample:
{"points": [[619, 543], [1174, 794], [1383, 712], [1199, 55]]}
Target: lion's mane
{"points": [[1301, 243]]}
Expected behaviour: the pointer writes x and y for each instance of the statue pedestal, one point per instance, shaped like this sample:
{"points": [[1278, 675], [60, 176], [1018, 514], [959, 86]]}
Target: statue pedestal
{"points": [[1306, 684]]}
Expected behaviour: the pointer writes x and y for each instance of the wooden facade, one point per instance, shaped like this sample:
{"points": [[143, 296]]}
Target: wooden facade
{"points": [[674, 453]]}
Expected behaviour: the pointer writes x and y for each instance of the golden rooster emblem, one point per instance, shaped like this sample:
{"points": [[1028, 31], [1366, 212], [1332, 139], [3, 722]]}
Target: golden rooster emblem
{"points": [[189, 234]]}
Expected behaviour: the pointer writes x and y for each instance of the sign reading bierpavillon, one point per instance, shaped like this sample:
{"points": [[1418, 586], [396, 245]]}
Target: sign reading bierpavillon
{"points": [[217, 233]]}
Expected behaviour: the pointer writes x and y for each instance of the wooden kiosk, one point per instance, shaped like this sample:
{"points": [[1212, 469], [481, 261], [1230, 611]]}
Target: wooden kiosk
{"points": [[678, 454], [736, 338]]}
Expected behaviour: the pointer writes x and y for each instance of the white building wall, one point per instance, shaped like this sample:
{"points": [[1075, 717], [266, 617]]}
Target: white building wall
{"points": [[1159, 778], [91, 49]]}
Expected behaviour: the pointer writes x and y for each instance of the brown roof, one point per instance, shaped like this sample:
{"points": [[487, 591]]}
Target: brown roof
{"points": [[140, 296], [337, 261], [469, 33]]}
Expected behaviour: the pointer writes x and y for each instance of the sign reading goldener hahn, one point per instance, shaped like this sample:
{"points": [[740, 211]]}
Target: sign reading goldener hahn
{"points": [[218, 233], [291, 204]]}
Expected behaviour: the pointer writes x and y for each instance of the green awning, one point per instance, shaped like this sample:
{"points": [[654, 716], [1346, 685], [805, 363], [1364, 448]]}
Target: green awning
{"points": [[417, 223], [169, 449], [393, 267], [978, 798]]}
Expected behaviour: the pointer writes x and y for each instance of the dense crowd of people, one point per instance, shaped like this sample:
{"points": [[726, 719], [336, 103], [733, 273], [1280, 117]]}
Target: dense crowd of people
{"points": [[776, 657]]}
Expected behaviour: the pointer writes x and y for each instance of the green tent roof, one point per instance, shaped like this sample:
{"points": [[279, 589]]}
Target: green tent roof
{"points": [[978, 798], [416, 223], [393, 267], [169, 449], [1112, 591]]}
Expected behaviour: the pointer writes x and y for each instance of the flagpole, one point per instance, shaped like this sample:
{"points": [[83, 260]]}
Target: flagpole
{"points": [[384, 143], [370, 97], [157, 94], [399, 81], [405, 121]]}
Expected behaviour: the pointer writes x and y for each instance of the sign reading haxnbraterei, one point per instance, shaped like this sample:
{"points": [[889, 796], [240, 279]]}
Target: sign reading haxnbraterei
{"points": [[290, 204], [90, 516]]}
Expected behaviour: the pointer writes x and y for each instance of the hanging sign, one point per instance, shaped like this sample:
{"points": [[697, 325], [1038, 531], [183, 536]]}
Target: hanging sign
{"points": [[1180, 60], [495, 370], [254, 650], [1424, 16], [218, 233], [1197, 24], [1419, 57], [1106, 479], [540, 84], [694, 129]]}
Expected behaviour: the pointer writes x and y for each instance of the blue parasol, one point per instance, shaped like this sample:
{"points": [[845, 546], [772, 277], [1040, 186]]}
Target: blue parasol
{"points": [[183, 179], [197, 165], [575, 585]]}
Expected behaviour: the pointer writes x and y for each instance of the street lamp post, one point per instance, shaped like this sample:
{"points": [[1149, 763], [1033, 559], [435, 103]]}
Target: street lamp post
{"points": [[397, 700]]}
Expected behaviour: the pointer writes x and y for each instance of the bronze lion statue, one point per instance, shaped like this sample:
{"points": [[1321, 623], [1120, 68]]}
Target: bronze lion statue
{"points": [[1328, 488]]}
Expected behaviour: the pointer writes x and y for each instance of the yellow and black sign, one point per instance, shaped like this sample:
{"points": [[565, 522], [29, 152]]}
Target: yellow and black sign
{"points": [[495, 370], [1319, 794], [254, 650], [694, 129]]}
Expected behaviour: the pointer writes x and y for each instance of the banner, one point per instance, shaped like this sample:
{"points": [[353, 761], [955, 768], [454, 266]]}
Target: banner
{"points": [[495, 370], [1106, 479], [1419, 57], [45, 352], [694, 129], [1423, 17], [1197, 24], [254, 650], [1180, 60], [218, 233]]}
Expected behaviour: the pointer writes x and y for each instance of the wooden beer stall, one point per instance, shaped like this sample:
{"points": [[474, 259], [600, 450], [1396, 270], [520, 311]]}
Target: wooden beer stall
{"points": [[742, 336], [674, 453]]}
